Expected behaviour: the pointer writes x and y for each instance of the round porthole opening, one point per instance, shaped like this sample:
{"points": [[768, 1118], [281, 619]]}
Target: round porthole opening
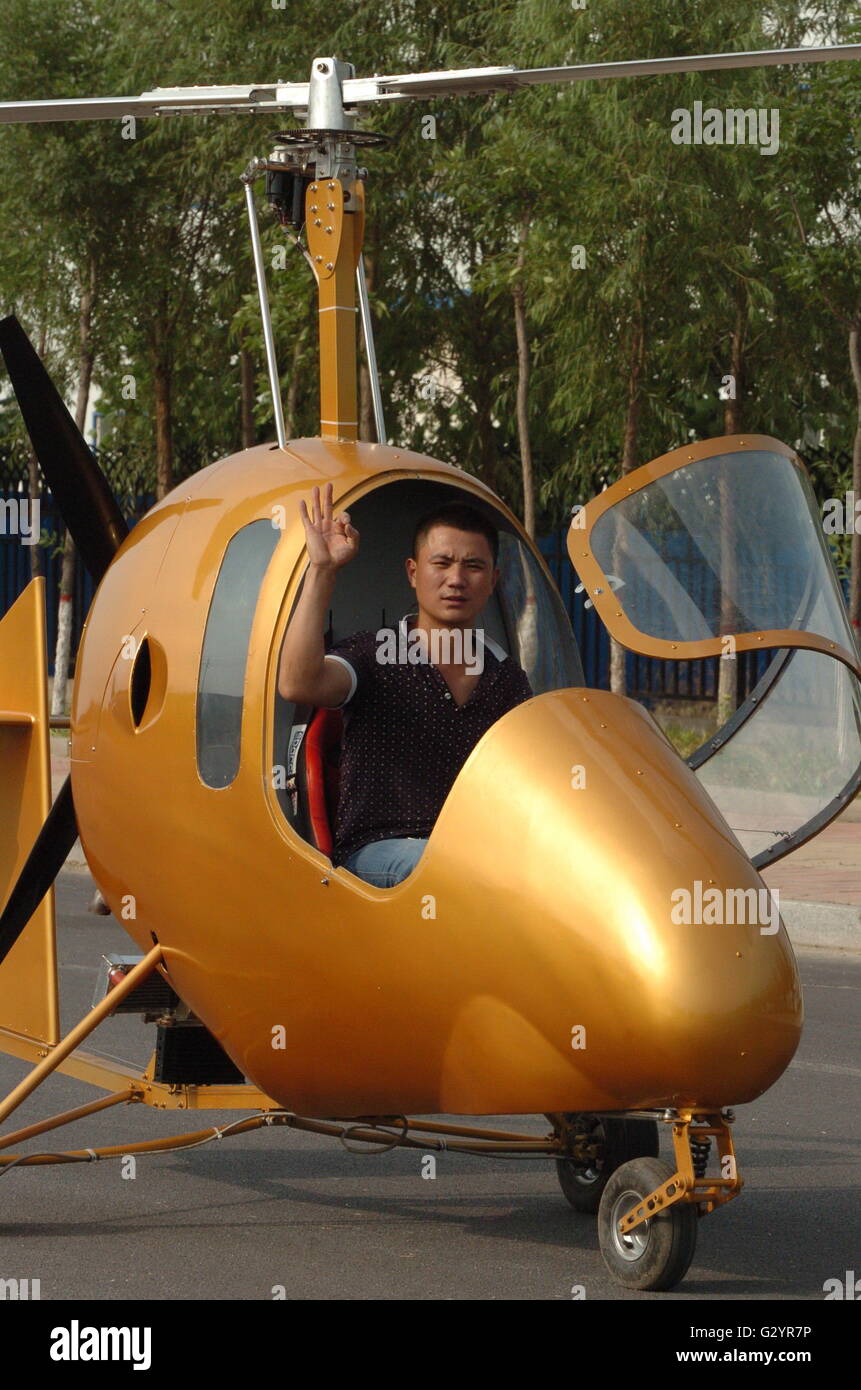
{"points": [[141, 682]]}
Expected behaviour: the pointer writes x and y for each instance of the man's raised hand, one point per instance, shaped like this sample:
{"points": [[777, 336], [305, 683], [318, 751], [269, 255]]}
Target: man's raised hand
{"points": [[331, 542]]}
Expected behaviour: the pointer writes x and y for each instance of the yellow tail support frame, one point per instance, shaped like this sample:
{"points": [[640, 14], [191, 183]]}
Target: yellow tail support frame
{"points": [[28, 976]]}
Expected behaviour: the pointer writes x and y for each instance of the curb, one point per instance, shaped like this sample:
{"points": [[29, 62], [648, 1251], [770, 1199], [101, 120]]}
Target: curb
{"points": [[836, 925]]}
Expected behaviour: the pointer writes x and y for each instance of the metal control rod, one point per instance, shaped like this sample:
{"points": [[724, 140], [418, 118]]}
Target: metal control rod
{"points": [[260, 272], [370, 352]]}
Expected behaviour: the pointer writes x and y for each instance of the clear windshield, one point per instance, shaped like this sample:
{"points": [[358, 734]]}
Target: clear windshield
{"points": [[540, 638], [793, 758], [730, 544]]}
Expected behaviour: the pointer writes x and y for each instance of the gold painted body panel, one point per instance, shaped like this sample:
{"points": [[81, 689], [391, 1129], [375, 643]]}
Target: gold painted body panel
{"points": [[28, 980], [537, 908]]}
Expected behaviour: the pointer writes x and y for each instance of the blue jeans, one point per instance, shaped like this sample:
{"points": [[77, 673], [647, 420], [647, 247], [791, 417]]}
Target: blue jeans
{"points": [[385, 862]]}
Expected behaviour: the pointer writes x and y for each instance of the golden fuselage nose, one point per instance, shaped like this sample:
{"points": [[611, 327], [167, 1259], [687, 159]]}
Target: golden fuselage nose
{"points": [[532, 962], [619, 918]]}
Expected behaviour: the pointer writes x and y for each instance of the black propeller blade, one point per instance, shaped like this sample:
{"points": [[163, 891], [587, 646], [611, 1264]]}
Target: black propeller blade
{"points": [[87, 504], [44, 862], [97, 527]]}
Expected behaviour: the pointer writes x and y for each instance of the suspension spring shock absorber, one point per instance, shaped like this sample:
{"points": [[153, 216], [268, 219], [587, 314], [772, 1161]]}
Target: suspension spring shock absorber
{"points": [[700, 1154]]}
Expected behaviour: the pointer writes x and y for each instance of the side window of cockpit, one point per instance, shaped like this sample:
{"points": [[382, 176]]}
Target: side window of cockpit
{"points": [[224, 656]]}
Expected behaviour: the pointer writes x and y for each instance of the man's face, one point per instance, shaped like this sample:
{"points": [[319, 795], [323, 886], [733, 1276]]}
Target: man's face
{"points": [[454, 575]]}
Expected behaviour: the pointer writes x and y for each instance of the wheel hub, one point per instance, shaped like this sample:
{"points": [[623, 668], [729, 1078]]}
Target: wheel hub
{"points": [[632, 1245]]}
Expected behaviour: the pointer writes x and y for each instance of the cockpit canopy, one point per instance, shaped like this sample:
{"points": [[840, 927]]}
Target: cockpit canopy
{"points": [[718, 548]]}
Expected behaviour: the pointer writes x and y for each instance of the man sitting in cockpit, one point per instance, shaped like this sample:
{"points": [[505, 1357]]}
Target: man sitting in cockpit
{"points": [[413, 713]]}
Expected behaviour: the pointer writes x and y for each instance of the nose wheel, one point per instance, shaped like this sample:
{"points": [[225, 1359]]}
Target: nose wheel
{"points": [[657, 1253], [647, 1209]]}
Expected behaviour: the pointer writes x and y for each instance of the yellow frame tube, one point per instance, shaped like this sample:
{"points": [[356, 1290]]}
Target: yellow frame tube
{"points": [[67, 1117], [357, 1131], [81, 1030]]}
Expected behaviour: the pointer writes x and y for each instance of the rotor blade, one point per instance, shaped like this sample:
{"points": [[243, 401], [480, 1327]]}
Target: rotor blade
{"points": [[87, 504], [44, 862], [159, 102], [293, 96], [85, 109], [480, 80]]}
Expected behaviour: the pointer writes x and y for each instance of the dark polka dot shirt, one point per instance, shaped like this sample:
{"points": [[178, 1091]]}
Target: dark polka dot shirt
{"points": [[406, 738]]}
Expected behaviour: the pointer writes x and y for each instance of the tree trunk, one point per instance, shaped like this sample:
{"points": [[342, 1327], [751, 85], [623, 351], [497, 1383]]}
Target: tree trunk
{"points": [[367, 425], [163, 428], [630, 459], [727, 696], [37, 563], [488, 468], [34, 483], [732, 413], [65, 612], [161, 362], [519, 297], [855, 573], [247, 398], [292, 405]]}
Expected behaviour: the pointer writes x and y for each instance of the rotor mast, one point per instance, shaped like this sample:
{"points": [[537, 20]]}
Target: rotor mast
{"points": [[313, 182], [335, 223]]}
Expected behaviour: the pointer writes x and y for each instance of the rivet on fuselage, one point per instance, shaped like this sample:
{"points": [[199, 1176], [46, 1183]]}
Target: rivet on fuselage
{"points": [[325, 882]]}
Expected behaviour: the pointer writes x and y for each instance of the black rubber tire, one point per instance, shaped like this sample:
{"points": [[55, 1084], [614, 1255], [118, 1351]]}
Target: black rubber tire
{"points": [[623, 1140], [658, 1253]]}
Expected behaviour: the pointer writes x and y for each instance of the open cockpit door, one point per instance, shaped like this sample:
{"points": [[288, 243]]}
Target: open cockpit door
{"points": [[717, 548]]}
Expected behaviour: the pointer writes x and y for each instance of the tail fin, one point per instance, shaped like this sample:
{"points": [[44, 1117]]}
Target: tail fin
{"points": [[28, 976]]}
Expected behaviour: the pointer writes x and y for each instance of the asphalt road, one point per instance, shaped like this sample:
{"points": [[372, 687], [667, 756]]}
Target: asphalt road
{"points": [[277, 1209]]}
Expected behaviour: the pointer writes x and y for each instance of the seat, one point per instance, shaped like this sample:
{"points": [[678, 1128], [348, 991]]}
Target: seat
{"points": [[322, 755]]}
